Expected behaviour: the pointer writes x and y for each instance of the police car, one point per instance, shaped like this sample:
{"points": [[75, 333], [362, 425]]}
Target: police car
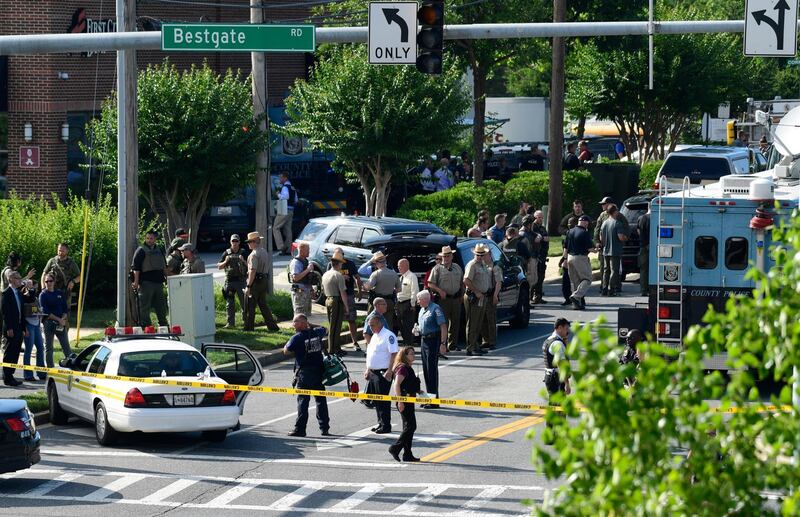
{"points": [[116, 406]]}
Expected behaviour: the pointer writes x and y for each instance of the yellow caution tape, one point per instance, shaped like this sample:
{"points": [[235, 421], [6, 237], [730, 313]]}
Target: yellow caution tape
{"points": [[344, 394]]}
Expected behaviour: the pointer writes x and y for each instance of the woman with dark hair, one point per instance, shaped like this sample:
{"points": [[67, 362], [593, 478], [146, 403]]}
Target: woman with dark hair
{"points": [[13, 263], [406, 384]]}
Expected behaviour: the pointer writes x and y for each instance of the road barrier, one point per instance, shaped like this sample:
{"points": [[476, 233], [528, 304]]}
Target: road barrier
{"points": [[473, 404]]}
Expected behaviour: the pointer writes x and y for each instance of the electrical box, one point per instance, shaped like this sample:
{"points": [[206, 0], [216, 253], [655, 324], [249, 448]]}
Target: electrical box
{"points": [[191, 305]]}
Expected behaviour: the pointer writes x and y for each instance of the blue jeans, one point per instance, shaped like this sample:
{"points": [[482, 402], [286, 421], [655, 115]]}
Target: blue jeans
{"points": [[34, 338]]}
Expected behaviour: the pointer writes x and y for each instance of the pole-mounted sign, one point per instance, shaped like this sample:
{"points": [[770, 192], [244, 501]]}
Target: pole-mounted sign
{"points": [[219, 37], [392, 33], [770, 28]]}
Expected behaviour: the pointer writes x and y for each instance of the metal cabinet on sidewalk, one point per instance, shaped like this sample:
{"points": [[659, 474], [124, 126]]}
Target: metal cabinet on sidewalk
{"points": [[191, 305]]}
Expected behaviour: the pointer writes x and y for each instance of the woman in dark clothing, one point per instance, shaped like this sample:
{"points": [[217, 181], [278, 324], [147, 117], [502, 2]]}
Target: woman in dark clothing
{"points": [[406, 384]]}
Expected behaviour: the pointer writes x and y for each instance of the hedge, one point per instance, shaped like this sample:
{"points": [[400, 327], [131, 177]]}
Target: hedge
{"points": [[455, 209], [648, 175], [35, 227]]}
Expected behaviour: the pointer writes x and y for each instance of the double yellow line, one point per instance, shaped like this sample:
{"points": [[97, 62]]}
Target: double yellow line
{"points": [[479, 439]]}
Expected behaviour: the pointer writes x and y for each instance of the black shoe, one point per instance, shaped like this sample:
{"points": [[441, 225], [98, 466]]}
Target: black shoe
{"points": [[442, 356], [297, 432], [358, 348], [469, 352], [575, 303], [583, 304], [430, 406], [383, 430], [409, 458], [394, 450], [603, 292], [11, 381], [565, 303], [613, 293], [324, 432]]}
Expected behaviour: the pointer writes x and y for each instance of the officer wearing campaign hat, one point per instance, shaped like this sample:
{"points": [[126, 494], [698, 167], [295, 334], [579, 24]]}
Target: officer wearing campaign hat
{"points": [[336, 303], [191, 262], [446, 281], [382, 283], [259, 265], [478, 282]]}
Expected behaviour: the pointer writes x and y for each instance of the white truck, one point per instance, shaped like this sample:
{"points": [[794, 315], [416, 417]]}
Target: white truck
{"points": [[526, 119]]}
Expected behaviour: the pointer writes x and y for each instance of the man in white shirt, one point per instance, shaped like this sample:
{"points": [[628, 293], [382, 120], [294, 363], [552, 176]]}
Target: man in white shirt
{"points": [[381, 351], [282, 227], [444, 177], [407, 289], [426, 178]]}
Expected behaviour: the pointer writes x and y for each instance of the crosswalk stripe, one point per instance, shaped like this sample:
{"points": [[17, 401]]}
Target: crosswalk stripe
{"points": [[113, 487], [423, 497], [289, 500], [52, 484], [357, 498], [169, 491], [484, 498], [232, 494]]}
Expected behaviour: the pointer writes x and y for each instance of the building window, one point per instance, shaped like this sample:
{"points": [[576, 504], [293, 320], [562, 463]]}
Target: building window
{"points": [[736, 249], [77, 161], [705, 252]]}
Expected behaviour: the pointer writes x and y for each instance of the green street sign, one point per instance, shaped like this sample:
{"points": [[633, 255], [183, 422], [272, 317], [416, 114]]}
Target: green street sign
{"points": [[240, 37]]}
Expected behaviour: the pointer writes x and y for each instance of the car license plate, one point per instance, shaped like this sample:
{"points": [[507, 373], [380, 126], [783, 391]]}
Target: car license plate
{"points": [[183, 400]]}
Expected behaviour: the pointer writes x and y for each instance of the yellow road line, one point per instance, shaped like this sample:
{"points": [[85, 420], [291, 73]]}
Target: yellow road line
{"points": [[481, 438]]}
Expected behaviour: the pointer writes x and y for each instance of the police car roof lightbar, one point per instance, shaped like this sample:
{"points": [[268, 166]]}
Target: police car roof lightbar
{"points": [[118, 333]]}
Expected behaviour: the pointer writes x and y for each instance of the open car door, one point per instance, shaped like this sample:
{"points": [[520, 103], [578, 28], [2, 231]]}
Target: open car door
{"points": [[234, 364]]}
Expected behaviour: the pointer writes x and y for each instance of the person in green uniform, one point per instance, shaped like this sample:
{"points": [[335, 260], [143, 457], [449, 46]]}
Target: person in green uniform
{"points": [[446, 281], [255, 294], [191, 262], [148, 265], [477, 280], [383, 284], [489, 328], [333, 286], [65, 271]]}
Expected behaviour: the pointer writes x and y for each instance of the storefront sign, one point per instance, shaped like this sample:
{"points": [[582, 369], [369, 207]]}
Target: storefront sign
{"points": [[29, 157]]}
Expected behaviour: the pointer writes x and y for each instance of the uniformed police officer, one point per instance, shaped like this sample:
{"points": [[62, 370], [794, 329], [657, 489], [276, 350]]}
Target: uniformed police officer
{"points": [[489, 329], [335, 302], [382, 283], [255, 293], [301, 275], [65, 271], [544, 250], [554, 350], [432, 327], [446, 280], [477, 280], [191, 262], [533, 241], [174, 257], [306, 346], [234, 262], [148, 267], [577, 244]]}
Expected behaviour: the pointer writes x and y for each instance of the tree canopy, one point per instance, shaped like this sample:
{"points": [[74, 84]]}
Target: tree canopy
{"points": [[376, 120], [196, 145]]}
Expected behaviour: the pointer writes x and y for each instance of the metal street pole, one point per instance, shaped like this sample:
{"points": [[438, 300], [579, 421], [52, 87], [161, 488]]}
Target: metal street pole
{"points": [[127, 158]]}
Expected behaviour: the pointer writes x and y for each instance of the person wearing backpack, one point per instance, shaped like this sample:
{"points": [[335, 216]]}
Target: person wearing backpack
{"points": [[306, 347], [234, 262], [282, 228]]}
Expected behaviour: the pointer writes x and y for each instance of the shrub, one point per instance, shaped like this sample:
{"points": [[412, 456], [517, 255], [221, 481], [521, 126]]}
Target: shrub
{"points": [[280, 303], [454, 210], [36, 226], [648, 175]]}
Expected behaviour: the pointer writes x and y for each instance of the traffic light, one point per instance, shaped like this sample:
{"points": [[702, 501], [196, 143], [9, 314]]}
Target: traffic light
{"points": [[430, 37], [731, 131]]}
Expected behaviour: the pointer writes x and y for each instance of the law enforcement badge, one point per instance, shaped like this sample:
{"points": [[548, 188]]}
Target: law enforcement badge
{"points": [[671, 273], [391, 340]]}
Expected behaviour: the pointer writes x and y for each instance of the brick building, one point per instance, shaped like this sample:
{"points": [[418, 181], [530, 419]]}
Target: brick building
{"points": [[46, 100]]}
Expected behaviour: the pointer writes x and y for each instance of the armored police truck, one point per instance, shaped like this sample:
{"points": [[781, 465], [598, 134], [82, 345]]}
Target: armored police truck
{"points": [[706, 237]]}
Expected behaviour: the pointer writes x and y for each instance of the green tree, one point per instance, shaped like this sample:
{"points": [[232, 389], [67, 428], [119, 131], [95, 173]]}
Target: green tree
{"points": [[376, 120], [625, 452], [195, 140]]}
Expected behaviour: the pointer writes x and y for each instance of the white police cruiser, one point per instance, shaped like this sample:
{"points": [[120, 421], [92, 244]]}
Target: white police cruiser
{"points": [[116, 406]]}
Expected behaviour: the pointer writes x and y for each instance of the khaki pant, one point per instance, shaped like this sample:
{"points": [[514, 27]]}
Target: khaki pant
{"points": [[476, 313], [452, 312], [532, 274], [489, 328], [258, 298], [335, 308], [580, 274], [282, 230], [151, 296]]}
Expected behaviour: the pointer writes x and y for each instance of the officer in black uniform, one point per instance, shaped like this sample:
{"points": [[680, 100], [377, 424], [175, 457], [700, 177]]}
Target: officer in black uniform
{"points": [[538, 227], [554, 350], [148, 265]]}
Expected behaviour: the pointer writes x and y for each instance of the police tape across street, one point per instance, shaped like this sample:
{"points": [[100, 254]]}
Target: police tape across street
{"points": [[475, 404]]}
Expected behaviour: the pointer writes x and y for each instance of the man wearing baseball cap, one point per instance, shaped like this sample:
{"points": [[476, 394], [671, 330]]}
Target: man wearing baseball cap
{"points": [[191, 262], [577, 244]]}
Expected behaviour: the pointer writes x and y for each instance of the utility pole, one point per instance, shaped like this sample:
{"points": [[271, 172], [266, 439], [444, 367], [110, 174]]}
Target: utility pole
{"points": [[260, 103], [127, 159], [556, 122]]}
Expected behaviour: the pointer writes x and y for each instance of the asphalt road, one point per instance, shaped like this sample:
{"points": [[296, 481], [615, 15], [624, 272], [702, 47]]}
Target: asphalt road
{"points": [[474, 461]]}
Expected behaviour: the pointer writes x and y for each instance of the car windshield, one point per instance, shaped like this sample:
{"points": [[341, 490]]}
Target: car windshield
{"points": [[696, 167], [175, 363], [311, 231]]}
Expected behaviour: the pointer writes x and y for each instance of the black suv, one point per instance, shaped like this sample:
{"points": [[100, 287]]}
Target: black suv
{"points": [[633, 208], [420, 250]]}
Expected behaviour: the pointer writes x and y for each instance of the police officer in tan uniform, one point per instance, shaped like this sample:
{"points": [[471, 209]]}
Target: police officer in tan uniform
{"points": [[335, 290], [191, 262], [477, 280], [446, 281], [255, 294], [489, 329], [382, 283]]}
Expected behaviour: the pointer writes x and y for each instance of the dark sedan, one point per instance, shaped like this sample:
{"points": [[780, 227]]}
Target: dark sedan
{"points": [[19, 439]]}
